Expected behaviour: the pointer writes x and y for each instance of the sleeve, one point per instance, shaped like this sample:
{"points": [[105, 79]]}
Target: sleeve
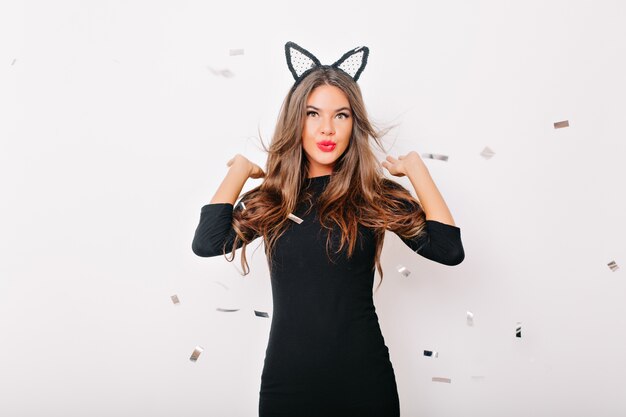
{"points": [[440, 243], [215, 230]]}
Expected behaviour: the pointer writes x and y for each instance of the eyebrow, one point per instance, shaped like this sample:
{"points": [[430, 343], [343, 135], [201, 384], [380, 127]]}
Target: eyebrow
{"points": [[343, 108]]}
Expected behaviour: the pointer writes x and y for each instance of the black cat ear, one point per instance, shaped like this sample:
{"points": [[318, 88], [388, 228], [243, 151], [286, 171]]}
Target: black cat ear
{"points": [[353, 62], [299, 60]]}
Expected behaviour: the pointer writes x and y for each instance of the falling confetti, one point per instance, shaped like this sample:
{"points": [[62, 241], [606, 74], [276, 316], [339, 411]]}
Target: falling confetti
{"points": [[175, 299], [227, 310], [243, 205], [224, 73], [294, 218], [435, 156], [233, 52], [196, 352], [431, 353], [613, 266], [487, 153], [15, 59], [402, 269], [223, 285], [518, 329], [439, 379], [470, 318], [558, 125], [261, 314]]}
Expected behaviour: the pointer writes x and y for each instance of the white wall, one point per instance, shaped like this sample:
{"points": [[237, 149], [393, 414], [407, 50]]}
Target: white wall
{"points": [[115, 133]]}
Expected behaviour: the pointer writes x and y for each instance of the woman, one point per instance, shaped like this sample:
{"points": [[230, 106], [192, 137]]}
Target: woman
{"points": [[322, 209]]}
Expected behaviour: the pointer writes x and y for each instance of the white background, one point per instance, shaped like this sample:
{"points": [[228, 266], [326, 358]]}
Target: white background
{"points": [[114, 132]]}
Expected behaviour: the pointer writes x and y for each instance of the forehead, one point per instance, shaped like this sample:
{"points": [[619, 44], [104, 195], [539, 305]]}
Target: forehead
{"points": [[327, 95]]}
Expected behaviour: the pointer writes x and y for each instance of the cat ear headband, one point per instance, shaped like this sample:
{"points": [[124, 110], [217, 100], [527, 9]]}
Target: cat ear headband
{"points": [[301, 62]]}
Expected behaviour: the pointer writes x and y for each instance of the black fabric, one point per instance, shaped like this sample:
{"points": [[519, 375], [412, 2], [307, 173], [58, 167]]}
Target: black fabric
{"points": [[326, 355]]}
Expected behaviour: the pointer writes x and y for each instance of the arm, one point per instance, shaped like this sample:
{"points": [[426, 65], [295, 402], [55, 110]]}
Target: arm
{"points": [[427, 192], [231, 185], [440, 243], [215, 231], [442, 239]]}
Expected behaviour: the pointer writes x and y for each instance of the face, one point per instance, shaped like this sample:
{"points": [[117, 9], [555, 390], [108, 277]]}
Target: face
{"points": [[327, 128]]}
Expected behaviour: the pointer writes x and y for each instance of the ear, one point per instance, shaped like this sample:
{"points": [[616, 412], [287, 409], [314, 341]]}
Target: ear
{"points": [[299, 60], [353, 62]]}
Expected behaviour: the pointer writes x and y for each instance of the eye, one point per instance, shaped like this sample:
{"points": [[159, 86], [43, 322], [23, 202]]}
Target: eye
{"points": [[345, 115], [311, 111]]}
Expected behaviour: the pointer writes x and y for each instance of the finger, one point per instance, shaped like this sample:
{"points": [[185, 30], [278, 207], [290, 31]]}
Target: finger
{"points": [[391, 158]]}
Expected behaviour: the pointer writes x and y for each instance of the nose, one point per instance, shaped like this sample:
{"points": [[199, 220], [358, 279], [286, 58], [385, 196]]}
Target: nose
{"points": [[327, 127]]}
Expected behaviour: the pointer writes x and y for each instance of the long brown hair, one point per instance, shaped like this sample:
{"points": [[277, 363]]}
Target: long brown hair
{"points": [[358, 192]]}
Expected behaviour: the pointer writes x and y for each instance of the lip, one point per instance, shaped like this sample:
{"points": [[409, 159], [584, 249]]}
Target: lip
{"points": [[326, 145]]}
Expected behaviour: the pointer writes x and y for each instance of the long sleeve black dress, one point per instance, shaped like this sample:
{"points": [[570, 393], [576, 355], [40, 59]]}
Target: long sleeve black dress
{"points": [[326, 355]]}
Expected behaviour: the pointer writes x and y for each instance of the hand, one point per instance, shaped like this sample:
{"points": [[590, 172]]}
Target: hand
{"points": [[253, 170], [399, 167]]}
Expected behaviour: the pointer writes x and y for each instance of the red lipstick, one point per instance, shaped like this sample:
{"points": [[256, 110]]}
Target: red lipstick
{"points": [[326, 145]]}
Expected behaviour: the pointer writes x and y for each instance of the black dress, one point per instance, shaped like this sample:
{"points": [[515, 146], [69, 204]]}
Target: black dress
{"points": [[326, 355]]}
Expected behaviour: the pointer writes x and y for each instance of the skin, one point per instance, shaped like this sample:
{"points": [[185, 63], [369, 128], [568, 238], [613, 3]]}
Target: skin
{"points": [[326, 123], [331, 119]]}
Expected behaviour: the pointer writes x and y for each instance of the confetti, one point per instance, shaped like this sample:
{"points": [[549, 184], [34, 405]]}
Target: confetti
{"points": [[243, 205], [487, 153], [224, 73], [261, 314], [227, 310], [294, 218], [431, 353], [402, 269], [558, 125], [439, 379], [196, 352], [435, 156], [223, 285], [613, 266], [470, 318], [233, 52], [518, 329], [175, 299], [15, 59]]}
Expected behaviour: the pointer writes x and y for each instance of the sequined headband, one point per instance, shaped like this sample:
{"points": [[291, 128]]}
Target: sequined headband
{"points": [[301, 62]]}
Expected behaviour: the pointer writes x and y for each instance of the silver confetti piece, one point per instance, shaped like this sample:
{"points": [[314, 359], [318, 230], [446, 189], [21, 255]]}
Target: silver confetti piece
{"points": [[518, 329], [227, 310], [439, 379], [487, 153], [223, 285], [224, 73], [175, 299], [243, 205], [294, 218], [13, 61], [233, 52], [431, 353], [470, 318], [261, 314], [435, 156], [402, 269], [196, 352], [613, 266], [559, 125]]}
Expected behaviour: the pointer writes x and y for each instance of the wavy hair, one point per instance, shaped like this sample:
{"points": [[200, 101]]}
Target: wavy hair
{"points": [[358, 192]]}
